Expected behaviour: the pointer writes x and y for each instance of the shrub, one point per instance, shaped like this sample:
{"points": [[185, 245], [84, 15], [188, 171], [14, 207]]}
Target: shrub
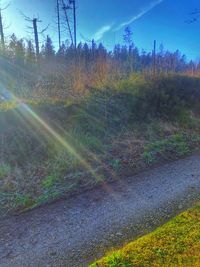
{"points": [[168, 97], [163, 97]]}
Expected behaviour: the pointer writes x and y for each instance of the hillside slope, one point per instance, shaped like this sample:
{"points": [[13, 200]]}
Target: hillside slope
{"points": [[76, 232]]}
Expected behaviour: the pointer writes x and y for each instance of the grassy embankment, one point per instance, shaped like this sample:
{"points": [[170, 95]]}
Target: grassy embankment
{"points": [[176, 244], [53, 148]]}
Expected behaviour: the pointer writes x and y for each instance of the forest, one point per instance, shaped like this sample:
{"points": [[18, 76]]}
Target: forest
{"points": [[69, 72]]}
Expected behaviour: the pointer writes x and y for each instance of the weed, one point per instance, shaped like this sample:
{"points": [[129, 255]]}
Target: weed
{"points": [[5, 170], [149, 157], [115, 164], [174, 146], [49, 182], [23, 201], [87, 141], [45, 197], [115, 260], [118, 260], [159, 252]]}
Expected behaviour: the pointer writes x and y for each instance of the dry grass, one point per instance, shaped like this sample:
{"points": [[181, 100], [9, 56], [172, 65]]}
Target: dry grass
{"points": [[176, 244]]}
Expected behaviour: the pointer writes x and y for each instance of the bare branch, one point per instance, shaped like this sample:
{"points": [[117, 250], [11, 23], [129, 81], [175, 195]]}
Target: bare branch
{"points": [[195, 15], [7, 26], [44, 29], [87, 40], [195, 12], [24, 16], [4, 8]]}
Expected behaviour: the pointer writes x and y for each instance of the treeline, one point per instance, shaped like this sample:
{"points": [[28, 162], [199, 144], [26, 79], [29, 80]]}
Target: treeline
{"points": [[69, 71]]}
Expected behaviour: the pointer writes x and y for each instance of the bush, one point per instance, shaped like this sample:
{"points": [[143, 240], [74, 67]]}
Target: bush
{"points": [[167, 97], [163, 97]]}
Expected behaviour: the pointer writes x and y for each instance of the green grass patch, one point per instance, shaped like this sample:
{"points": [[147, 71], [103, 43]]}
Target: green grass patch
{"points": [[5, 170], [49, 182], [172, 147], [176, 244], [4, 106]]}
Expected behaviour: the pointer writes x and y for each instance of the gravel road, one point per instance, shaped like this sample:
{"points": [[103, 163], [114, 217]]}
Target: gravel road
{"points": [[74, 232]]}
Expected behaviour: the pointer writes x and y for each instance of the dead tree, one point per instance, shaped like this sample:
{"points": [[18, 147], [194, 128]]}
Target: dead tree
{"points": [[36, 37], [66, 8], [58, 21], [154, 59], [73, 3], [34, 28], [2, 27]]}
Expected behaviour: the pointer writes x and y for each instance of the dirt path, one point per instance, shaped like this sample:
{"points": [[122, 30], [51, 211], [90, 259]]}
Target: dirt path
{"points": [[74, 232]]}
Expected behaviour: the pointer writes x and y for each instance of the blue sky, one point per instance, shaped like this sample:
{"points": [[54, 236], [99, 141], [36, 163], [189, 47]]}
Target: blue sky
{"points": [[105, 20]]}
